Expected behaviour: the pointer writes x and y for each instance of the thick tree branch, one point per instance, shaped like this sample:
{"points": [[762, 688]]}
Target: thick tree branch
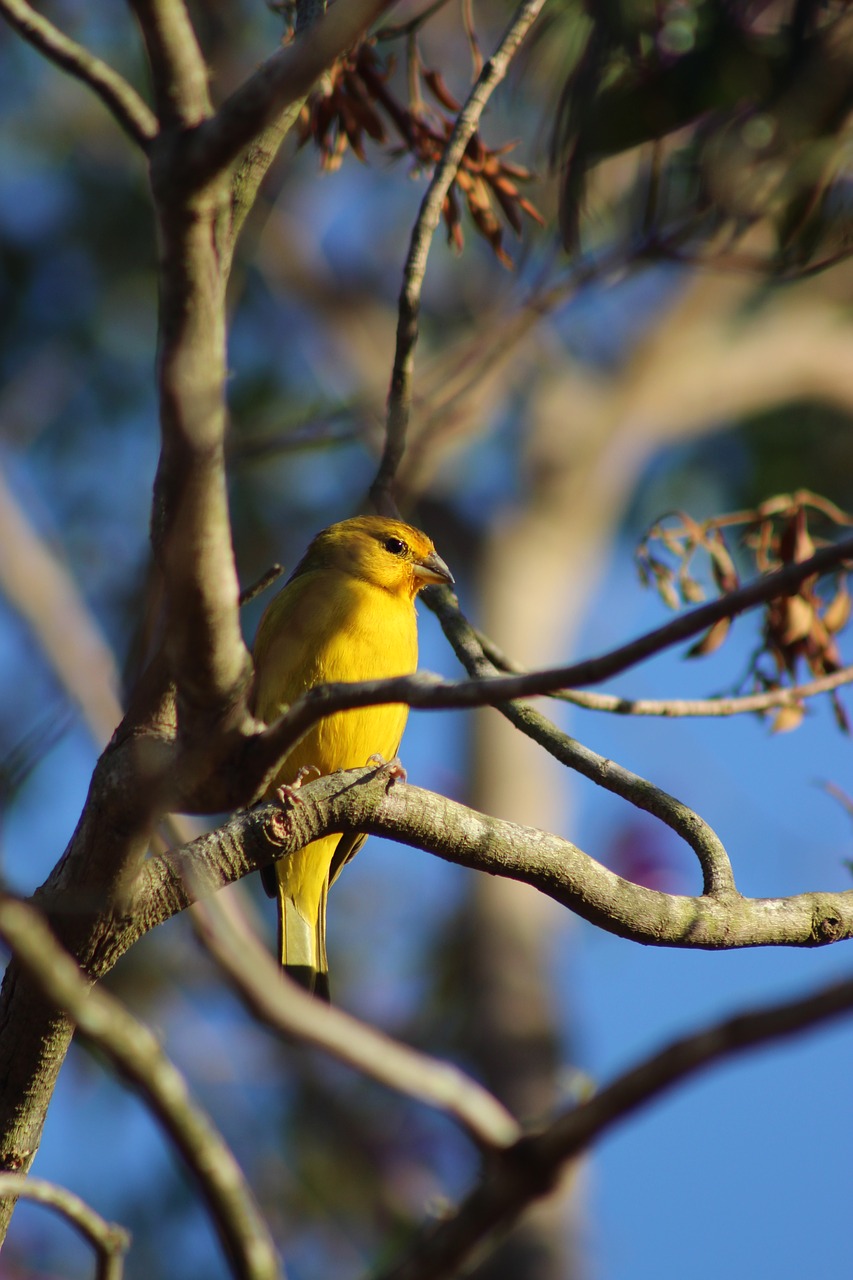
{"points": [[414, 270], [520, 1175], [135, 1051], [125, 104], [362, 800], [286, 1008], [109, 1240]]}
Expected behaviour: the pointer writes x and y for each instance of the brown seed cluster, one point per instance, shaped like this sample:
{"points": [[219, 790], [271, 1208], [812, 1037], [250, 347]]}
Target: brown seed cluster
{"points": [[798, 630], [355, 102]]}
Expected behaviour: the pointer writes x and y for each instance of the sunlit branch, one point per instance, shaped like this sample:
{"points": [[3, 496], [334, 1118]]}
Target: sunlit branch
{"points": [[121, 99], [718, 876], [530, 1169], [742, 704], [109, 1240], [362, 800], [400, 393], [287, 1009], [673, 708], [135, 1051]]}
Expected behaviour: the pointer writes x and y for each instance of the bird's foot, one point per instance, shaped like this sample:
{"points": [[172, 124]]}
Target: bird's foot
{"points": [[288, 793], [393, 769]]}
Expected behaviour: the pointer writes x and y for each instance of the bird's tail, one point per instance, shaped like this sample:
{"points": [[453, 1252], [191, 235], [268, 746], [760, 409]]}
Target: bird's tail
{"points": [[302, 941], [300, 885]]}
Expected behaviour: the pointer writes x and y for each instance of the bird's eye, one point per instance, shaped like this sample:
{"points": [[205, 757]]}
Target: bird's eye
{"points": [[396, 546]]}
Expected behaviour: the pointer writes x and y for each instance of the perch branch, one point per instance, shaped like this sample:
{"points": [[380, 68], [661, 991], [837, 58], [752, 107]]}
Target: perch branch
{"points": [[360, 800], [717, 872]]}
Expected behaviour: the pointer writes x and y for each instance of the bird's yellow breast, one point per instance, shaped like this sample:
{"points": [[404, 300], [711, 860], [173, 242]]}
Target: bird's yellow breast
{"points": [[324, 627]]}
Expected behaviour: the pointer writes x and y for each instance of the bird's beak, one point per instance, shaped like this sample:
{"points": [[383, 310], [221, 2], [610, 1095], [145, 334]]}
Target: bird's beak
{"points": [[433, 569]]}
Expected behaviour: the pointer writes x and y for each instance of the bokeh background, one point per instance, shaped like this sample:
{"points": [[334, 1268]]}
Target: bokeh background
{"points": [[628, 384]]}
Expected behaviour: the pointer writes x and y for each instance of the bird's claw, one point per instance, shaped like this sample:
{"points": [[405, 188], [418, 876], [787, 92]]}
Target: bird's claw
{"points": [[393, 769], [288, 793]]}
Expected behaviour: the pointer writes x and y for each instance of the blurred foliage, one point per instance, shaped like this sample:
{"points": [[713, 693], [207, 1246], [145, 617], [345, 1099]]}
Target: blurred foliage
{"points": [[747, 107]]}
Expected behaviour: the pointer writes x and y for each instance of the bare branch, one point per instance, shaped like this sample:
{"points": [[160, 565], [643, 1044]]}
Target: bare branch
{"points": [[121, 99], [400, 393], [717, 871], [673, 708], [178, 70], [528, 1170], [135, 1051], [283, 1006], [109, 1240], [361, 800]]}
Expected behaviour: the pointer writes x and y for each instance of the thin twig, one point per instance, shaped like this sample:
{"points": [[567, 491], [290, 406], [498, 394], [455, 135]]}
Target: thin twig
{"points": [[132, 113], [673, 708], [519, 1176], [109, 1240], [135, 1051], [250, 593], [618, 704], [400, 394], [291, 1011]]}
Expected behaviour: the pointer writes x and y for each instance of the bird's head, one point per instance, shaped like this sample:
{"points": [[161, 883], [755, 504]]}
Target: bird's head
{"points": [[386, 553]]}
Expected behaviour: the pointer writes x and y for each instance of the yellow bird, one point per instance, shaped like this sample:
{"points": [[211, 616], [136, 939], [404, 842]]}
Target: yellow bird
{"points": [[347, 612]]}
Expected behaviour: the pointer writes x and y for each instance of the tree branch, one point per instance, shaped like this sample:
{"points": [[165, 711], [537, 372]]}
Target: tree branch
{"points": [[718, 876], [530, 1169], [178, 70], [282, 80], [362, 800], [287, 1009], [682, 708], [134, 1050], [120, 98], [719, 707], [109, 1240], [414, 270]]}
